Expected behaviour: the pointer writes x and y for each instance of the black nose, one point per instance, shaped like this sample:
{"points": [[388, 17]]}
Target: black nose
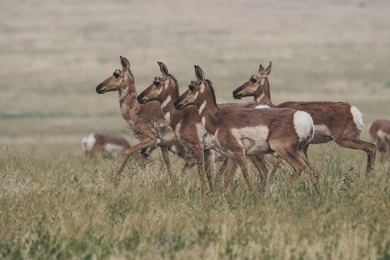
{"points": [[177, 104], [236, 94], [99, 89], [140, 99]]}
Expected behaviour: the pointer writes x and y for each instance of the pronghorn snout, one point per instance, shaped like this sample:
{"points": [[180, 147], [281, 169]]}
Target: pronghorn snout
{"points": [[237, 94], [141, 98], [178, 104], [100, 89]]}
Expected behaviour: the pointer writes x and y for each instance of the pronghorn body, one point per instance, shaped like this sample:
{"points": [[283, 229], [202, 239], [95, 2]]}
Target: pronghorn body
{"points": [[380, 133], [96, 144], [106, 146], [186, 123], [240, 132], [338, 121], [146, 121]]}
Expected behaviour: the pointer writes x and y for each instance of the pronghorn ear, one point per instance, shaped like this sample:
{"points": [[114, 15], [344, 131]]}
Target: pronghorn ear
{"points": [[261, 69], [269, 68], [125, 63], [199, 73], [163, 68]]}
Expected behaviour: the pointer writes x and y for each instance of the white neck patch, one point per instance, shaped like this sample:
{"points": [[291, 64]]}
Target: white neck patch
{"points": [[204, 121], [167, 117], [202, 87], [196, 95], [260, 98], [165, 103], [202, 107]]}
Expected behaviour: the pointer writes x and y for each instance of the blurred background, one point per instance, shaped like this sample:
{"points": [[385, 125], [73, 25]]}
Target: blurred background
{"points": [[54, 54]]}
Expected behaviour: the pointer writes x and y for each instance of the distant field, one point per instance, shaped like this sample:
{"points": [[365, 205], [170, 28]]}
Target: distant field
{"points": [[54, 54]]}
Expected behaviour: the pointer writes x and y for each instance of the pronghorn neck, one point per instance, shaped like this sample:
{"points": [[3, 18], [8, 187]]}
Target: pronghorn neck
{"points": [[263, 94], [208, 111], [128, 100], [170, 94]]}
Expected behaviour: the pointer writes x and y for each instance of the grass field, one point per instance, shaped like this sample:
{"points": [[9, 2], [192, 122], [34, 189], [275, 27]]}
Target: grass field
{"points": [[54, 53]]}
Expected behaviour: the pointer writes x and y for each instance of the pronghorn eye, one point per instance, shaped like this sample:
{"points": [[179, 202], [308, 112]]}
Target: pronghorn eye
{"points": [[116, 75], [253, 80], [192, 88], [156, 83]]}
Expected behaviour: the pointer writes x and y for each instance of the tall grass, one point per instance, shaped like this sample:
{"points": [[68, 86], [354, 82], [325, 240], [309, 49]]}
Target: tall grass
{"points": [[54, 53], [67, 210]]}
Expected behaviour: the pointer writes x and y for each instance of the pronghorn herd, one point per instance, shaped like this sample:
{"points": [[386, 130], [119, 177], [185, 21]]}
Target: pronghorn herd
{"points": [[193, 125]]}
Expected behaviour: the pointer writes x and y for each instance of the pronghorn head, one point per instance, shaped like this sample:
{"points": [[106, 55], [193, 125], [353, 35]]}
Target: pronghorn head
{"points": [[160, 84], [255, 85], [197, 90], [118, 78]]}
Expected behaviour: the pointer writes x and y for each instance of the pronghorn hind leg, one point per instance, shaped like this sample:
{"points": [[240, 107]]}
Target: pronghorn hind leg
{"points": [[369, 148], [259, 162], [276, 164], [229, 173], [240, 158]]}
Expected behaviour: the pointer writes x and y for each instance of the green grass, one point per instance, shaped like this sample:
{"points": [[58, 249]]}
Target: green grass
{"points": [[54, 54], [61, 209]]}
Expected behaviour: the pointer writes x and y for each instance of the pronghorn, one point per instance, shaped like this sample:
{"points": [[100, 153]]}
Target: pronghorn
{"points": [[107, 146], [240, 132], [186, 123], [380, 134], [146, 121], [338, 121]]}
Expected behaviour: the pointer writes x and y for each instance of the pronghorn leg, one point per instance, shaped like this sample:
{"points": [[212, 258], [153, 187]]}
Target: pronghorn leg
{"points": [[207, 169], [165, 155], [230, 172], [143, 144], [369, 148], [221, 172], [240, 157], [276, 163], [200, 162], [297, 159], [259, 163]]}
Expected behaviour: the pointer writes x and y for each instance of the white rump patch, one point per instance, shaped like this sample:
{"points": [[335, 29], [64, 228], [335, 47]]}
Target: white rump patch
{"points": [[357, 117], [165, 103], [202, 107], [304, 126], [252, 139], [88, 142], [262, 107]]}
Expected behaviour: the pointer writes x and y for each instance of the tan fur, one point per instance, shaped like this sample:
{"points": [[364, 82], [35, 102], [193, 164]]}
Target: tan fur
{"points": [[380, 133], [146, 121], [98, 144], [186, 122], [223, 126], [338, 121]]}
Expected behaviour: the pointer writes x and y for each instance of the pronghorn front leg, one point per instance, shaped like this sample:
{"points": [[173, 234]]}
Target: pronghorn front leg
{"points": [[165, 155], [143, 144]]}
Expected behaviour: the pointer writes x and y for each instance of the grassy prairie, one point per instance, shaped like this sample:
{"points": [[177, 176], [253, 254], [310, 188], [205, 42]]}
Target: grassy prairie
{"points": [[54, 53]]}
